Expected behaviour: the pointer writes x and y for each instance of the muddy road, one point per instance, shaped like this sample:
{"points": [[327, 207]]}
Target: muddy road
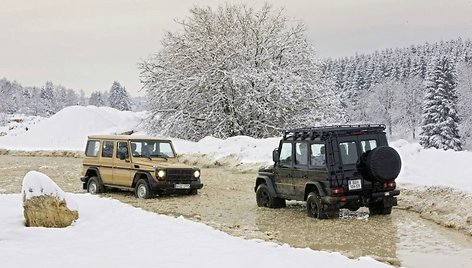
{"points": [[227, 202]]}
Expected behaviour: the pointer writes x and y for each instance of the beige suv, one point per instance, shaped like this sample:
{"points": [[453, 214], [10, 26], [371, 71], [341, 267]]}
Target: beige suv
{"points": [[145, 165]]}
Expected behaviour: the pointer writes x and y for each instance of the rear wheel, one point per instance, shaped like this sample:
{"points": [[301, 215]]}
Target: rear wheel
{"points": [[94, 186], [264, 199], [314, 208], [142, 190], [380, 209]]}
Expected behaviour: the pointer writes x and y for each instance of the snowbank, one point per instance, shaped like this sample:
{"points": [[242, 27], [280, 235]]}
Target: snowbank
{"points": [[68, 129], [245, 149], [434, 167], [143, 239]]}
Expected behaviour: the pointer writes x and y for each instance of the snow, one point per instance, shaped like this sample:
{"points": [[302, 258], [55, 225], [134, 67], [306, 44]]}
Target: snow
{"points": [[37, 184], [68, 129], [164, 240], [142, 239]]}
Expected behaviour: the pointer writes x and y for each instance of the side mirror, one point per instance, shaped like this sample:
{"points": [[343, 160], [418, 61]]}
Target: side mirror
{"points": [[275, 155]]}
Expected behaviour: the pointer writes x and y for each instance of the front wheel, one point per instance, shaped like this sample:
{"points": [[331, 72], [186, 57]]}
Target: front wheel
{"points": [[192, 192], [94, 186], [142, 190], [264, 199]]}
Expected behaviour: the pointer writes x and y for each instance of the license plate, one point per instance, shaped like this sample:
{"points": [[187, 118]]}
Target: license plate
{"points": [[182, 186], [355, 185]]}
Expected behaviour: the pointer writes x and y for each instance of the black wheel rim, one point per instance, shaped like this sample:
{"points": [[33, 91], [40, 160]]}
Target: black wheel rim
{"points": [[264, 198], [314, 210]]}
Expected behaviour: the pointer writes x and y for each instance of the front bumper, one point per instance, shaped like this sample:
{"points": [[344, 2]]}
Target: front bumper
{"points": [[175, 186], [334, 200]]}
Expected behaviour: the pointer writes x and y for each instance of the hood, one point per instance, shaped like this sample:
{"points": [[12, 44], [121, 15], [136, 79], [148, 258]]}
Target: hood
{"points": [[160, 163]]}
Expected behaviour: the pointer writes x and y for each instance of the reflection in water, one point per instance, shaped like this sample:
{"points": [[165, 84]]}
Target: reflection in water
{"points": [[355, 234]]}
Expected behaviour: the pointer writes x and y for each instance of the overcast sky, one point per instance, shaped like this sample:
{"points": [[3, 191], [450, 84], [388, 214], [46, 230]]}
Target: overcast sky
{"points": [[88, 44]]}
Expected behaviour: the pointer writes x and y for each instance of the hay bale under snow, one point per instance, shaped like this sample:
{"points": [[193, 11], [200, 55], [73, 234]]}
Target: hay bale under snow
{"points": [[44, 203]]}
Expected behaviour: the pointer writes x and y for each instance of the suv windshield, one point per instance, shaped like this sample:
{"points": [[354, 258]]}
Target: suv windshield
{"points": [[152, 148]]}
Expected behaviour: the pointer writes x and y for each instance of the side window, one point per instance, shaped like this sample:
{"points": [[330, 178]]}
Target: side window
{"points": [[318, 155], [122, 150], [368, 145], [136, 148], [92, 148], [285, 156], [301, 153], [107, 149], [348, 151]]}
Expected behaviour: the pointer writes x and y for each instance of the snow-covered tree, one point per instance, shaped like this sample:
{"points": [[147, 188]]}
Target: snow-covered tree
{"points": [[236, 71], [96, 98], [408, 105], [464, 106], [82, 101], [440, 120], [119, 98], [47, 100]]}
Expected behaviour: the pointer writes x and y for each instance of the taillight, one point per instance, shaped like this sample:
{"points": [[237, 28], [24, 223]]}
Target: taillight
{"points": [[390, 185], [337, 190]]}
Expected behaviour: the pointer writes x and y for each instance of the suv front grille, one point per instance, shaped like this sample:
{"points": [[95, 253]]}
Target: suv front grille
{"points": [[179, 175]]}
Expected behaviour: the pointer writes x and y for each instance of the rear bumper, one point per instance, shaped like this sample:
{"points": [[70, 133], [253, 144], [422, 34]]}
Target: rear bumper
{"points": [[334, 200]]}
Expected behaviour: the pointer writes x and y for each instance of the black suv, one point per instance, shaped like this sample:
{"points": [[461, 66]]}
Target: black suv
{"points": [[332, 167]]}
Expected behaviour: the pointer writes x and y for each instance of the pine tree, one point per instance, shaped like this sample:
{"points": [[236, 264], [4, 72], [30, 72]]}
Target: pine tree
{"points": [[119, 98], [47, 99], [440, 119], [96, 99]]}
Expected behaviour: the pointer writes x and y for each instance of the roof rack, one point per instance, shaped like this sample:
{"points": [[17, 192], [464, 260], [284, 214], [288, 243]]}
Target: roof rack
{"points": [[322, 131]]}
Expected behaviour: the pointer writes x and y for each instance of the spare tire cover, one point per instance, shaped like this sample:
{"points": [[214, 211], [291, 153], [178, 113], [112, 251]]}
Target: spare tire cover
{"points": [[383, 163]]}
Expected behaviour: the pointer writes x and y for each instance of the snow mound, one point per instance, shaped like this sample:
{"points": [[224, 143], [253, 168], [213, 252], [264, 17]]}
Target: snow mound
{"points": [[243, 148], [68, 129], [37, 184], [434, 166]]}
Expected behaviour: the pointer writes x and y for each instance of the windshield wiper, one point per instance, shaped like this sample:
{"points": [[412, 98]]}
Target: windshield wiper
{"points": [[162, 156]]}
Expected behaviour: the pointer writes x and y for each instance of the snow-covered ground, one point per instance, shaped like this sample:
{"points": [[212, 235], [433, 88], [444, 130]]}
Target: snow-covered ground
{"points": [[163, 240]]}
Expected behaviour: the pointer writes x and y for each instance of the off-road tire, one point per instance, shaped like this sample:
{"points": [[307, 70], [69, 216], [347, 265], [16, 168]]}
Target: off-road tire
{"points": [[314, 208], [380, 209], [192, 192], [383, 164], [264, 199], [142, 190], [94, 186]]}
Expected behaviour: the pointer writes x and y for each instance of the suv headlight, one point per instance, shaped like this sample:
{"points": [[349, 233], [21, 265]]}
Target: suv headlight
{"points": [[196, 173], [161, 174]]}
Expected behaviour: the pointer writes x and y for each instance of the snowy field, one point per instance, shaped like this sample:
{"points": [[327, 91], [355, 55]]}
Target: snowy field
{"points": [[163, 240]]}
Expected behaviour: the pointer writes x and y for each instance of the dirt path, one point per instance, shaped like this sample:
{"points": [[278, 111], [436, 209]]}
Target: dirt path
{"points": [[227, 202]]}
